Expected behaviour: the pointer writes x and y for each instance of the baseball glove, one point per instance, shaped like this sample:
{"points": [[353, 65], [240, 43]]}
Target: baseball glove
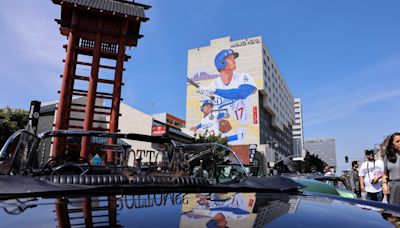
{"points": [[224, 126]]}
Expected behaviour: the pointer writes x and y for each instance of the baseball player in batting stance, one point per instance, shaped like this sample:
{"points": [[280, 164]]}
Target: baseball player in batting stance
{"points": [[230, 89]]}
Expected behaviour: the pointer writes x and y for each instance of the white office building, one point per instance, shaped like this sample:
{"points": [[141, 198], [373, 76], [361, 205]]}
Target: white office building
{"points": [[298, 132], [325, 148]]}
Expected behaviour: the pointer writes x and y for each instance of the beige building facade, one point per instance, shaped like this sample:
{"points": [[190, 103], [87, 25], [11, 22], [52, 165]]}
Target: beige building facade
{"points": [[131, 121], [264, 117]]}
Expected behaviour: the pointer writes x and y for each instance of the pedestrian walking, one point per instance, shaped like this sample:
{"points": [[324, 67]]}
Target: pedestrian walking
{"points": [[371, 172], [354, 179], [391, 175]]}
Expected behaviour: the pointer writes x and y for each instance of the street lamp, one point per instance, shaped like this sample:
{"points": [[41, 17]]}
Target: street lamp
{"points": [[283, 159], [272, 144]]}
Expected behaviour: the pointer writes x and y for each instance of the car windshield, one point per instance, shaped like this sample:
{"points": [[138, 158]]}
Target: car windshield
{"points": [[222, 166], [337, 183]]}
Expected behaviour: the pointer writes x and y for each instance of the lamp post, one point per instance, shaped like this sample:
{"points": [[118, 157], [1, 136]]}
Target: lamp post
{"points": [[283, 159], [272, 144]]}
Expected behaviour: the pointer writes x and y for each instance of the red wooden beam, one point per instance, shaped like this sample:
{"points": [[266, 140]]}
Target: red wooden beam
{"points": [[65, 93], [117, 90], [91, 96]]}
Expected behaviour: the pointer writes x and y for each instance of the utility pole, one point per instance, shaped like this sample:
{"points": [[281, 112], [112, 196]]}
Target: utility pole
{"points": [[271, 144]]}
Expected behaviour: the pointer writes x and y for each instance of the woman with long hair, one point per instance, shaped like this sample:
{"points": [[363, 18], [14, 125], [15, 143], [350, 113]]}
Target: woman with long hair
{"points": [[391, 175]]}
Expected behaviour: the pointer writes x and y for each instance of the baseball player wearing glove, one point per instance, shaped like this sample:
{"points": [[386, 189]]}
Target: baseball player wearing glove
{"points": [[224, 126], [209, 124]]}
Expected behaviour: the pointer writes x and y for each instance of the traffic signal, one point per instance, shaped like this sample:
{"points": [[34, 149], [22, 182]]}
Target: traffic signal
{"points": [[346, 159]]}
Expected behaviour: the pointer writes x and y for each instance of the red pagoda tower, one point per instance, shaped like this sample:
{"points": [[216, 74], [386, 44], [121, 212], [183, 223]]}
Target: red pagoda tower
{"points": [[99, 30]]}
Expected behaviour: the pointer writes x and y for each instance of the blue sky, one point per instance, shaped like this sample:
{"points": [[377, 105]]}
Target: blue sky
{"points": [[342, 58]]}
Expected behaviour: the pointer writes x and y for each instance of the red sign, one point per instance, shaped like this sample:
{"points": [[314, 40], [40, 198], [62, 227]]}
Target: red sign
{"points": [[158, 130], [255, 115], [251, 202]]}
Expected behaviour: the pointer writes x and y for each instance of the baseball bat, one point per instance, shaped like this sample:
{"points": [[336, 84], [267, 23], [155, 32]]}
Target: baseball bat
{"points": [[197, 86], [192, 83]]}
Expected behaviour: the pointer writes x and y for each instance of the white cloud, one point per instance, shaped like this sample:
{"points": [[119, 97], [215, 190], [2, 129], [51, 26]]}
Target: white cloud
{"points": [[347, 109], [357, 85], [33, 33], [371, 85], [32, 52]]}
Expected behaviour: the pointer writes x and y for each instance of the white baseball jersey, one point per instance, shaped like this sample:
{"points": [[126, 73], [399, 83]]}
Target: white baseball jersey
{"points": [[237, 108], [209, 125]]}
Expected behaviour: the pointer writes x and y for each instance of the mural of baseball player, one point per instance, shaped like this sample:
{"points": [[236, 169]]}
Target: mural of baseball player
{"points": [[231, 91], [212, 124], [208, 123]]}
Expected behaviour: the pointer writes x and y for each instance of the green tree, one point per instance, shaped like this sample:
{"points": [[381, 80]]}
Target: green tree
{"points": [[220, 152], [10, 121], [212, 139], [312, 163], [209, 159]]}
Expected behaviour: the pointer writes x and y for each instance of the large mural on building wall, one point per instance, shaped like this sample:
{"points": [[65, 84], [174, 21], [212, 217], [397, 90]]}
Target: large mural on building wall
{"points": [[218, 210], [223, 100]]}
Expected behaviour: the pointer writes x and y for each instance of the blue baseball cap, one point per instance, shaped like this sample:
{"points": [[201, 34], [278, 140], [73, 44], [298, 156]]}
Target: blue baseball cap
{"points": [[220, 62]]}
